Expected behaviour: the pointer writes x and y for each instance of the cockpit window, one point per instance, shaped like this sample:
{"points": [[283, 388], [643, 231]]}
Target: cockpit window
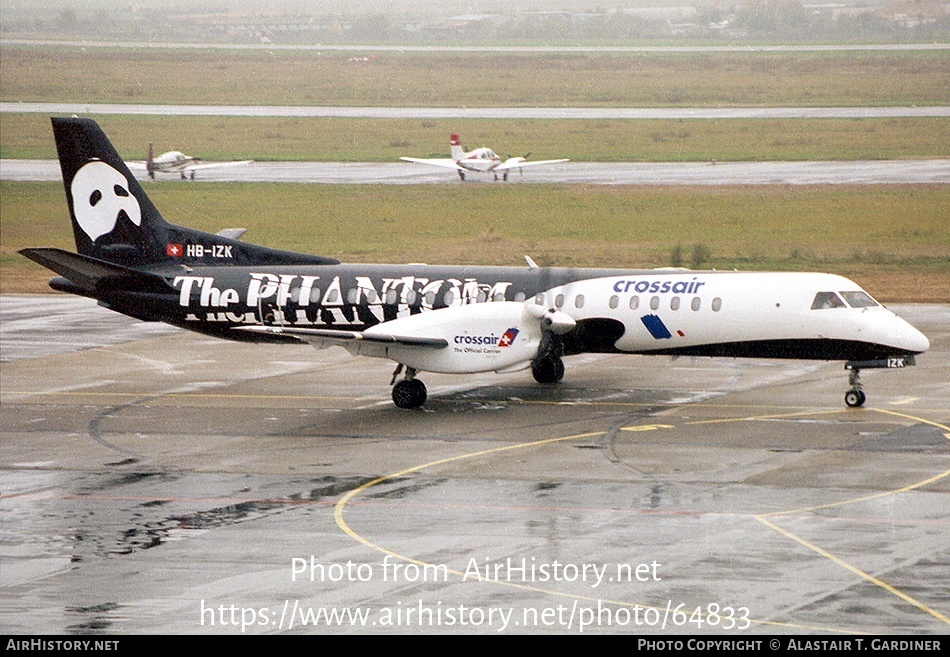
{"points": [[859, 299], [826, 300]]}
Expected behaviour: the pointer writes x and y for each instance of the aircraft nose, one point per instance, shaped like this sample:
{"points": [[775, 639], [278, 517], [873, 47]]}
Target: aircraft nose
{"points": [[909, 338]]}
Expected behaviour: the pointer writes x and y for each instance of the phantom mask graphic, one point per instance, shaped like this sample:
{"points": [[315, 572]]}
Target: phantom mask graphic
{"points": [[100, 196]]}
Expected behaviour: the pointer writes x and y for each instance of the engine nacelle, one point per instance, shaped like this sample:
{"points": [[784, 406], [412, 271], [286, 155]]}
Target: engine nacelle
{"points": [[555, 321], [484, 337]]}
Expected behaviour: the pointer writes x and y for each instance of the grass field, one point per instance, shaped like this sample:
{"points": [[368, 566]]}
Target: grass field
{"points": [[748, 79], [29, 136], [892, 239]]}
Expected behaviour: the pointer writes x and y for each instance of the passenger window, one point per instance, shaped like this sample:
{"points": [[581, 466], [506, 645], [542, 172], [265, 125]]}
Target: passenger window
{"points": [[696, 303], [654, 303], [579, 301], [391, 297], [559, 300], [825, 300], [411, 297], [859, 299], [519, 296], [675, 303], [614, 302], [350, 295], [716, 304], [634, 302]]}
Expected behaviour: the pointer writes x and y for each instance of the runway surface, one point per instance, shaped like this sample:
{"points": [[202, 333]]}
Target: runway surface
{"points": [[596, 113], [599, 173], [480, 48], [155, 481]]}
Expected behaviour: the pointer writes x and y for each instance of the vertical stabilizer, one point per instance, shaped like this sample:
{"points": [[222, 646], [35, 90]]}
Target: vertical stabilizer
{"points": [[457, 150], [112, 218]]}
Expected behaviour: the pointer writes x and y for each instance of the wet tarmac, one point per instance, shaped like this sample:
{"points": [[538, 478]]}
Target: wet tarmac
{"points": [[593, 173], [155, 481], [514, 113]]}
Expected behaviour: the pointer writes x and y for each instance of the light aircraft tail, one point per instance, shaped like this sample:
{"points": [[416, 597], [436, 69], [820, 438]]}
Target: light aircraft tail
{"points": [[150, 161], [457, 151]]}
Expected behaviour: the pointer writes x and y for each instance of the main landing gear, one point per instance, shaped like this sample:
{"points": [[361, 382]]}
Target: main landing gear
{"points": [[548, 370], [410, 392]]}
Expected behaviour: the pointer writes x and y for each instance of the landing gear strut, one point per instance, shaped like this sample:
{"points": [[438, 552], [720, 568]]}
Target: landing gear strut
{"points": [[855, 397], [410, 392], [548, 368]]}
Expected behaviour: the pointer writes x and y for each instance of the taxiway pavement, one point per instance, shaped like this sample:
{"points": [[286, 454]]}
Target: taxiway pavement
{"points": [[156, 481], [598, 173]]}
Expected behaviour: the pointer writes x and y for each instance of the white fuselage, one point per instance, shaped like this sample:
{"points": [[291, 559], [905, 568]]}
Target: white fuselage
{"points": [[481, 159], [703, 309], [701, 313], [173, 162]]}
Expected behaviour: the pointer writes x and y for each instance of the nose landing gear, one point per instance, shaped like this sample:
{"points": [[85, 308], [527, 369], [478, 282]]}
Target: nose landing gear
{"points": [[855, 397]]}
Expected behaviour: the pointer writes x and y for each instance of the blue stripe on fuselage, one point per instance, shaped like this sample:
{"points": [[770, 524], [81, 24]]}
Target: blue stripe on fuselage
{"points": [[656, 327]]}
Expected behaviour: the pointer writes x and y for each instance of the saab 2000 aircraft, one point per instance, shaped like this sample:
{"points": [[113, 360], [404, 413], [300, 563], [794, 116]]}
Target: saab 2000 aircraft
{"points": [[448, 319], [481, 160], [177, 162]]}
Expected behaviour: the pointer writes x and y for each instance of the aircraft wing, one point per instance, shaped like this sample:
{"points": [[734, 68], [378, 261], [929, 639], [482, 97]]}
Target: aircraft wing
{"points": [[444, 162], [520, 163], [216, 165], [142, 167], [366, 343]]}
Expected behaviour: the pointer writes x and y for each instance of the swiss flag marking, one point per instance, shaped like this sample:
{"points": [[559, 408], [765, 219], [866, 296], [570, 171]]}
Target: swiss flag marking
{"points": [[174, 250], [508, 337]]}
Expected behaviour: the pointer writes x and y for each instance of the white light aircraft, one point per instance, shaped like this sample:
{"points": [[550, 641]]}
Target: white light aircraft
{"points": [[481, 160], [452, 319], [177, 162]]}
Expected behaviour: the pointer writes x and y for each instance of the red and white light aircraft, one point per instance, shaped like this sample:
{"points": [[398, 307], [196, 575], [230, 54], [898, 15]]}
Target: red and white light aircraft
{"points": [[480, 160]]}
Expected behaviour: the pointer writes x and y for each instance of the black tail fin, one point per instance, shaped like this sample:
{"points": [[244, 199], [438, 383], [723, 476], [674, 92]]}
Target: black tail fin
{"points": [[113, 219]]}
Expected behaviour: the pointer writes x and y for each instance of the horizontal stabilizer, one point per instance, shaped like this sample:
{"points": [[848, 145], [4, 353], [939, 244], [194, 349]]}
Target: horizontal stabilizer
{"points": [[232, 233], [85, 271]]}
